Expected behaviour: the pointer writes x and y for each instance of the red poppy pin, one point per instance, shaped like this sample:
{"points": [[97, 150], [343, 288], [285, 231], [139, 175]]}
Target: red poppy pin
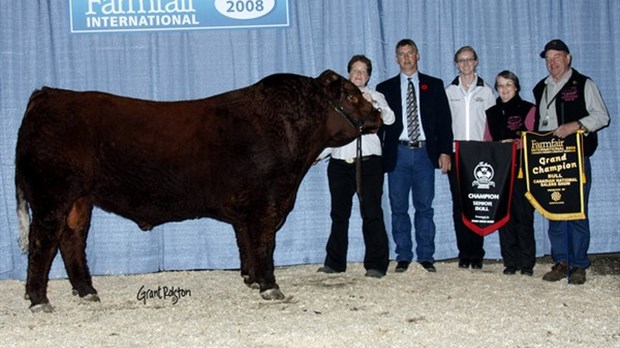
{"points": [[424, 86]]}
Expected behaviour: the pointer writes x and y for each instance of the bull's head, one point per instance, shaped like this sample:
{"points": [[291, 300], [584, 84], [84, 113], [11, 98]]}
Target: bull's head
{"points": [[346, 99]]}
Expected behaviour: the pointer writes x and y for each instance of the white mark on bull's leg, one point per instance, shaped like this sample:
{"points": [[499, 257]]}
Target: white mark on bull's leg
{"points": [[24, 220], [42, 308], [272, 294]]}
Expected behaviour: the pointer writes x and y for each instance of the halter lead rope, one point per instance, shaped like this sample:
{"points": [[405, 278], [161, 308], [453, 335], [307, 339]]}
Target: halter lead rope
{"points": [[358, 172]]}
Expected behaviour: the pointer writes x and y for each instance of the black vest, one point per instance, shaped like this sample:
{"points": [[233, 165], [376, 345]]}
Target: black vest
{"points": [[506, 120], [570, 105]]}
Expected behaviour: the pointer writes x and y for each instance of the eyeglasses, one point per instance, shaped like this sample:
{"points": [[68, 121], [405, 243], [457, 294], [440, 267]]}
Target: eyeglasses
{"points": [[466, 60]]}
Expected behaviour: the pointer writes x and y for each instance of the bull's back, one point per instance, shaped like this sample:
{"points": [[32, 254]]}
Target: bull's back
{"points": [[154, 162], [64, 122], [148, 161], [60, 129], [114, 150]]}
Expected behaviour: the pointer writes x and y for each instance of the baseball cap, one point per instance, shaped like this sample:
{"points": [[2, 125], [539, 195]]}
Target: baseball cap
{"points": [[555, 44]]}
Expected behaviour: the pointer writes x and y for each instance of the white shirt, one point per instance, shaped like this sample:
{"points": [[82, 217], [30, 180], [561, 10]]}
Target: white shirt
{"points": [[371, 144], [404, 85]]}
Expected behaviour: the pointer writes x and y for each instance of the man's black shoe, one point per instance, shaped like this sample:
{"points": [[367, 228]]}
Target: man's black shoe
{"points": [[428, 266], [510, 270], [527, 271], [402, 266], [463, 263], [326, 269], [373, 273], [476, 264]]}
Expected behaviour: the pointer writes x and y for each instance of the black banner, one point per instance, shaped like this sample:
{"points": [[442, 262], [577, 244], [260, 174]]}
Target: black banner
{"points": [[485, 172], [554, 174]]}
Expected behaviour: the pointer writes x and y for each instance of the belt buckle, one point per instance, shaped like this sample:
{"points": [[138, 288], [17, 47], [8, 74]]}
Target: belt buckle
{"points": [[350, 160]]}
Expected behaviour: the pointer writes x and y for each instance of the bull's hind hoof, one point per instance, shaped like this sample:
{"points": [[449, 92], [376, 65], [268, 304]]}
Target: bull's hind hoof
{"points": [[87, 297], [272, 294], [42, 308], [251, 284], [91, 298]]}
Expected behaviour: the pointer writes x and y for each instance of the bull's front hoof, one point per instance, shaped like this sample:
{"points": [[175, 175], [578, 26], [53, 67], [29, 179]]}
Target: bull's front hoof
{"points": [[272, 294], [91, 298], [42, 308]]}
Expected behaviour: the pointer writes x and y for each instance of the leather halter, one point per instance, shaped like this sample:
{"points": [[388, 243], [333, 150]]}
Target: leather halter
{"points": [[359, 125]]}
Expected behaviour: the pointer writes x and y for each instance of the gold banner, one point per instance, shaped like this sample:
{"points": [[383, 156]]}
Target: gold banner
{"points": [[554, 174]]}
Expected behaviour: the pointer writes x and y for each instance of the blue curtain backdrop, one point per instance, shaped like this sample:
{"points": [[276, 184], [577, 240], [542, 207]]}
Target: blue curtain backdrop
{"points": [[37, 48]]}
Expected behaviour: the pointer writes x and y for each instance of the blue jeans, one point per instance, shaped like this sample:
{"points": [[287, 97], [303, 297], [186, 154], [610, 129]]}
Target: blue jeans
{"points": [[570, 240], [415, 174]]}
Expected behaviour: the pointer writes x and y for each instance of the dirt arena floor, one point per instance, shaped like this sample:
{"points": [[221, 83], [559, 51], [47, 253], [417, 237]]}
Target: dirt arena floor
{"points": [[450, 308]]}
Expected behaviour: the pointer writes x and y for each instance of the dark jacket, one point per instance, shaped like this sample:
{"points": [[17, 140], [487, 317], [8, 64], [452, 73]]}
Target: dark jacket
{"points": [[436, 119]]}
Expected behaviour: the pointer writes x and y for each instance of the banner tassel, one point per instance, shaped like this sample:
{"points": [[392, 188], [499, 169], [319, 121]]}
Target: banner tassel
{"points": [[521, 163]]}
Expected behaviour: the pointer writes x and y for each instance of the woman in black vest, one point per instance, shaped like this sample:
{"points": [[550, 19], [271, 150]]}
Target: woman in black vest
{"points": [[510, 116]]}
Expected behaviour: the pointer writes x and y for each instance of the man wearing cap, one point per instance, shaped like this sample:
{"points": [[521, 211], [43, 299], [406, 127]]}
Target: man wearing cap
{"points": [[568, 101]]}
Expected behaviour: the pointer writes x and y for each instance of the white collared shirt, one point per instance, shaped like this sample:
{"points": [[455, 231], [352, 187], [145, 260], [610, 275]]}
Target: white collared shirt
{"points": [[404, 84]]}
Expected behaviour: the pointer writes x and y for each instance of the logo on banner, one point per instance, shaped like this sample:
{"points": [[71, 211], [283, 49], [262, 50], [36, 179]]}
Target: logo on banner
{"points": [[91, 16], [483, 174]]}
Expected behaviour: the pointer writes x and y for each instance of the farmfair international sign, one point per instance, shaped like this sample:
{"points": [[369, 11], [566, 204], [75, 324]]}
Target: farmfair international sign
{"points": [[92, 16]]}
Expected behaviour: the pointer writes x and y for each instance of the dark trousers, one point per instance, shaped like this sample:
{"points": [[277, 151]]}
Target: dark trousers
{"points": [[342, 186], [469, 243], [516, 238]]}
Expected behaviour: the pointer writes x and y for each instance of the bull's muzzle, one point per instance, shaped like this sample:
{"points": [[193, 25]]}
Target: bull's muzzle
{"points": [[372, 123]]}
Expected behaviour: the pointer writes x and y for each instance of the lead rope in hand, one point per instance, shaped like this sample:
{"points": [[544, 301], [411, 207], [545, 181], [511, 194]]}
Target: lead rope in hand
{"points": [[358, 171]]}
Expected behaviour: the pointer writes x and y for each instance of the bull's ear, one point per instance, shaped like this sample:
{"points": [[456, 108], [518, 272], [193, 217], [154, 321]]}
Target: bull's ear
{"points": [[327, 77], [331, 83]]}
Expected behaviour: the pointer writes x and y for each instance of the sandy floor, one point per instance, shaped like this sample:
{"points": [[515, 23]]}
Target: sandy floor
{"points": [[450, 308]]}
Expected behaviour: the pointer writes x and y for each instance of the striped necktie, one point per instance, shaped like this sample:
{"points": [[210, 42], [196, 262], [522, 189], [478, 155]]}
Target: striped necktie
{"points": [[413, 124]]}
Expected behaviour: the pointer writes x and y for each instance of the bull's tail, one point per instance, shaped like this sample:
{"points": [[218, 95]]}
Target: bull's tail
{"points": [[23, 216], [23, 209]]}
